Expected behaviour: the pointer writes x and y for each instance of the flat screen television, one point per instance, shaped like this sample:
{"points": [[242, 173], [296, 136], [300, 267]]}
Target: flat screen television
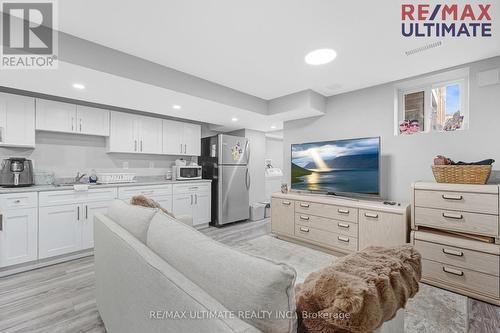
{"points": [[349, 166]]}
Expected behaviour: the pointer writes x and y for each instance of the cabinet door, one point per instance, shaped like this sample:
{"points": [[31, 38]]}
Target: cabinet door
{"points": [[88, 211], [59, 230], [17, 120], [92, 121], [202, 208], [192, 139], [282, 216], [18, 236], [164, 201], [150, 137], [122, 133], [183, 204], [381, 229], [55, 116], [172, 137]]}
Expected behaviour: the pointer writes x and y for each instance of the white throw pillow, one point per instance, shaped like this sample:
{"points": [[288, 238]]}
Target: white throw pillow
{"points": [[239, 281], [135, 219]]}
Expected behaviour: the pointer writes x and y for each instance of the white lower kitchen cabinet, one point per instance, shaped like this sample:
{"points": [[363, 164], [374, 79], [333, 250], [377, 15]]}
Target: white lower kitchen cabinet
{"points": [[59, 230], [18, 236], [87, 222], [162, 194], [194, 200]]}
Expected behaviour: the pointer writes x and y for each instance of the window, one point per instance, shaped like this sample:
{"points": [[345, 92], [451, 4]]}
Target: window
{"points": [[438, 103]]}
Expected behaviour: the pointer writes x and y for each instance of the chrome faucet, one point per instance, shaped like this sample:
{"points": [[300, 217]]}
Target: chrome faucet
{"points": [[79, 177]]}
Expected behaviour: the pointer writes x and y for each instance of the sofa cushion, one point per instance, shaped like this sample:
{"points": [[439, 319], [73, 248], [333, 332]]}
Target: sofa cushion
{"points": [[135, 219], [258, 290]]}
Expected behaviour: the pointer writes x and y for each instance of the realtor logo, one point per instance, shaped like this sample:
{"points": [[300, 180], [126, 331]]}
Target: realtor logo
{"points": [[29, 35]]}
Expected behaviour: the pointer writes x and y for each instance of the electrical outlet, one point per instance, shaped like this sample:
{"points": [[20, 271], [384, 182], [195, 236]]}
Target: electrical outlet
{"points": [[125, 165]]}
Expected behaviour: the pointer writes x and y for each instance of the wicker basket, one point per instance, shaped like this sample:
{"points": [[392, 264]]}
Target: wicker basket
{"points": [[462, 174]]}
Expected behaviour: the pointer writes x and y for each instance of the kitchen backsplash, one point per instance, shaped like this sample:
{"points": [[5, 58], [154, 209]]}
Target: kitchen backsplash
{"points": [[66, 154]]}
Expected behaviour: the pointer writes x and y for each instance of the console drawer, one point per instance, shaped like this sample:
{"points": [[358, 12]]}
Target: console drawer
{"points": [[459, 257], [18, 200], [329, 239], [322, 223], [461, 201], [461, 277], [329, 211], [481, 224]]}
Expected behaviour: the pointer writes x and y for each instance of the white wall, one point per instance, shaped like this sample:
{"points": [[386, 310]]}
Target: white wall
{"points": [[67, 154], [405, 159], [274, 151]]}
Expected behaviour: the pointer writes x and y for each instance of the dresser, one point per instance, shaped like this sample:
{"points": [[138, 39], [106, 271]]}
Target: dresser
{"points": [[456, 229], [339, 225]]}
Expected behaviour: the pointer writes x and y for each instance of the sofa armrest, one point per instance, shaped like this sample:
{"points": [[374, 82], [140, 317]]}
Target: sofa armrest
{"points": [[133, 283]]}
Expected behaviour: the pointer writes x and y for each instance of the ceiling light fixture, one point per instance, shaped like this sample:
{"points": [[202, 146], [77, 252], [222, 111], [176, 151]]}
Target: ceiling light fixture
{"points": [[273, 127], [177, 107], [234, 119], [78, 86], [320, 57]]}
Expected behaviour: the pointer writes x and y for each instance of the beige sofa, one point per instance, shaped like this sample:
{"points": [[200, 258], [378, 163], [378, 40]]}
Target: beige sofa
{"points": [[155, 274]]}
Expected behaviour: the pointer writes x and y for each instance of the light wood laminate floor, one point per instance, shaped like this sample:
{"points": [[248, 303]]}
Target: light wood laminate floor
{"points": [[60, 298]]}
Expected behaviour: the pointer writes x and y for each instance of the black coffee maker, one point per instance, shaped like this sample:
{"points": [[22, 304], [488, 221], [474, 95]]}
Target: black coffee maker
{"points": [[16, 172]]}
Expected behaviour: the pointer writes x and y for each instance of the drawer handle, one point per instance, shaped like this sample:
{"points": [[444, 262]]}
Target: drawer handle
{"points": [[453, 252], [306, 218], [343, 239], [343, 225], [453, 216], [343, 211], [1, 222], [287, 203], [17, 201], [452, 197], [375, 216], [304, 229], [453, 271], [304, 205]]}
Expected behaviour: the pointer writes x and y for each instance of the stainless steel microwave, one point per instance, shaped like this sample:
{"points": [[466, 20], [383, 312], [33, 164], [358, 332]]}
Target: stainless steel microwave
{"points": [[187, 172]]}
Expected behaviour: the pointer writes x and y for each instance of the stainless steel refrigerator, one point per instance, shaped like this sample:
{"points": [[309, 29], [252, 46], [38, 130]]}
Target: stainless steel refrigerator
{"points": [[224, 159]]}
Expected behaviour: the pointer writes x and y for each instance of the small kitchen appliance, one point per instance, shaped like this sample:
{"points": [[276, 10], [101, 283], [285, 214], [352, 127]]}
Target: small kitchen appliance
{"points": [[16, 172], [186, 172]]}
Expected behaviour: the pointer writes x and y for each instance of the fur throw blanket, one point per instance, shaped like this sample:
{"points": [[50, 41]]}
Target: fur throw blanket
{"points": [[359, 291], [140, 200]]}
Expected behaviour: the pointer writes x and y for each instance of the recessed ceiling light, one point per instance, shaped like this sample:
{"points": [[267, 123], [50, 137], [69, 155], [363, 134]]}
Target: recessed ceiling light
{"points": [[273, 127], [177, 107], [78, 86], [320, 57], [234, 119]]}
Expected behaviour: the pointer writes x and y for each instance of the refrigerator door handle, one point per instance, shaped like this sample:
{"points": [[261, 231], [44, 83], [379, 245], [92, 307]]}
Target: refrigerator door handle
{"points": [[247, 150], [247, 179]]}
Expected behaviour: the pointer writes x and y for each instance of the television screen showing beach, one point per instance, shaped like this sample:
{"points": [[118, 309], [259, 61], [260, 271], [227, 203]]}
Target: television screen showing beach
{"points": [[343, 166]]}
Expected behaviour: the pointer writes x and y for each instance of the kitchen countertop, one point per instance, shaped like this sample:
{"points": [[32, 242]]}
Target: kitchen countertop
{"points": [[145, 181]]}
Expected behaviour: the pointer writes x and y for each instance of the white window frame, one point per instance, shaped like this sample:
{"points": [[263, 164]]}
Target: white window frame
{"points": [[426, 84]]}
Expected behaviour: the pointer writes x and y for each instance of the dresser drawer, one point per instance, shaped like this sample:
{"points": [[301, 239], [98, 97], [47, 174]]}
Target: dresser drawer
{"points": [[459, 257], [481, 224], [322, 223], [148, 191], [461, 201], [329, 211], [461, 277], [329, 239], [18, 200]]}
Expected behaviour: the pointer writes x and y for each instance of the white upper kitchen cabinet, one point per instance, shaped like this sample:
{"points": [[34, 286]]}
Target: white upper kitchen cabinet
{"points": [[122, 133], [70, 118], [55, 116], [181, 138], [149, 135], [131, 133], [92, 121], [17, 121]]}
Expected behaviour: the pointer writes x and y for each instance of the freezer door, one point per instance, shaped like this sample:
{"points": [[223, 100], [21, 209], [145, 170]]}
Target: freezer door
{"points": [[233, 150], [233, 194]]}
